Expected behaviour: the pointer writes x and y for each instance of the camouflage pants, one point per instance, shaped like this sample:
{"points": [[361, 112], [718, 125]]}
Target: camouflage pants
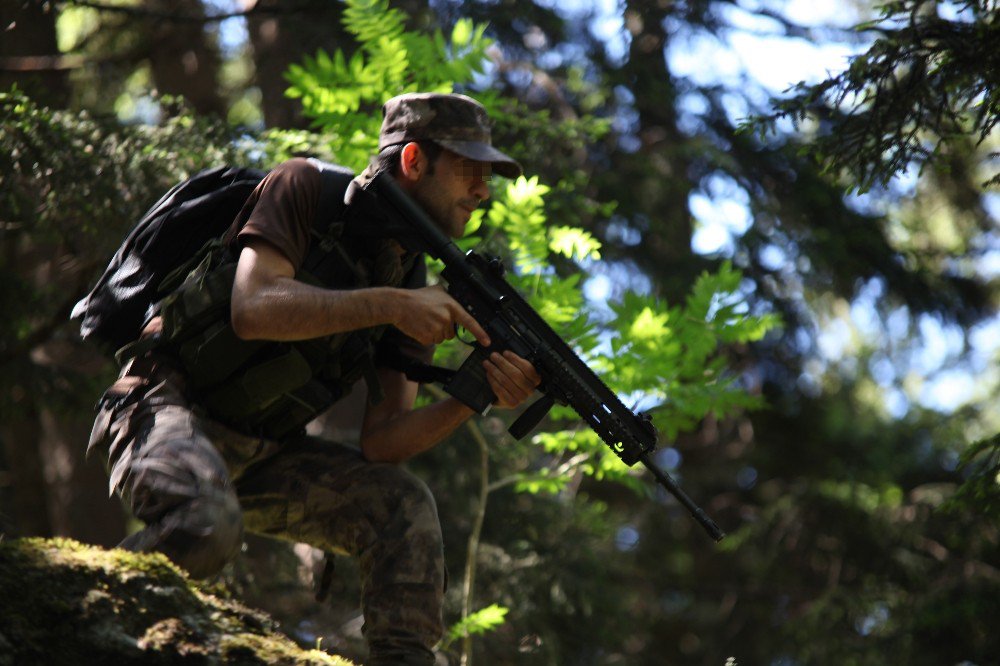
{"points": [[198, 484]]}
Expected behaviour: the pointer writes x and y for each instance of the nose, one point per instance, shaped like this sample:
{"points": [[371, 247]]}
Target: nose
{"points": [[480, 189]]}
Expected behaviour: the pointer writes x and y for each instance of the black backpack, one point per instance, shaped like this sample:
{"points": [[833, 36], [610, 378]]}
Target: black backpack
{"points": [[194, 212]]}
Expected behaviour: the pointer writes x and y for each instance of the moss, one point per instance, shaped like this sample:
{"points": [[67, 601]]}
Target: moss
{"points": [[238, 647], [64, 602]]}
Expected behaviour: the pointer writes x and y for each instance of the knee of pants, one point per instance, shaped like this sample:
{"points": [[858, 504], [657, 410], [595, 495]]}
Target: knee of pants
{"points": [[403, 504], [400, 535], [204, 534]]}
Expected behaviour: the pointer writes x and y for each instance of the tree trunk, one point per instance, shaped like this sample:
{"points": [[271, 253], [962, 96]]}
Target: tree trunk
{"points": [[24, 480], [280, 39], [419, 15], [29, 55], [183, 58], [657, 172]]}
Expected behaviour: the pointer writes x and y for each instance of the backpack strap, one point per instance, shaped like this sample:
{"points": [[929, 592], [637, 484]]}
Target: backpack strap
{"points": [[328, 225]]}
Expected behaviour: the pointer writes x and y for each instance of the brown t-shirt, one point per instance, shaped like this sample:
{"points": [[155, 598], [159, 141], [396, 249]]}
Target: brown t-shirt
{"points": [[281, 211]]}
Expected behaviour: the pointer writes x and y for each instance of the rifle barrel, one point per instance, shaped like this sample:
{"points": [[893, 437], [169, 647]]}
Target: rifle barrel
{"points": [[696, 511]]}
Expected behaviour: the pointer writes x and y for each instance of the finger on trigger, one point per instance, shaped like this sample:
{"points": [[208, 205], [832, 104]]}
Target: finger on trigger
{"points": [[472, 326]]}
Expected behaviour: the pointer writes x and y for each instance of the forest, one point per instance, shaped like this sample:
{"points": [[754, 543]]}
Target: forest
{"points": [[770, 224]]}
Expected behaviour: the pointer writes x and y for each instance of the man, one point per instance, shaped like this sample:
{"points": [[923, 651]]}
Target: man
{"points": [[197, 480]]}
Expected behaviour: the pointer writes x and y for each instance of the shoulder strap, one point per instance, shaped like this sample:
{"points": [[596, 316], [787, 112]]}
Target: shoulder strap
{"points": [[328, 225]]}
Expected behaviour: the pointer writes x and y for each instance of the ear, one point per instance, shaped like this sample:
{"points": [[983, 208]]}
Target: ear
{"points": [[412, 162]]}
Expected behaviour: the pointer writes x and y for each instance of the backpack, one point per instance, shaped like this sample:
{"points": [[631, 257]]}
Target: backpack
{"points": [[192, 214]]}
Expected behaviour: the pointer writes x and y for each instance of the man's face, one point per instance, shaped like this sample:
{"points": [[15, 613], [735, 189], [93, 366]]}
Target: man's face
{"points": [[452, 190]]}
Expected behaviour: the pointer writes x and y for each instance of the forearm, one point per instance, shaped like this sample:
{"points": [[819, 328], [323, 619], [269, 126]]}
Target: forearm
{"points": [[412, 432], [287, 309]]}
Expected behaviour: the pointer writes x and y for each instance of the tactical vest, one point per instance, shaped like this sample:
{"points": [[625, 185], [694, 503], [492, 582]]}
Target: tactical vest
{"points": [[268, 388]]}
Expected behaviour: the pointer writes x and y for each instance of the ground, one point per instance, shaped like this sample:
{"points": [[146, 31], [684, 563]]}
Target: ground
{"points": [[62, 602]]}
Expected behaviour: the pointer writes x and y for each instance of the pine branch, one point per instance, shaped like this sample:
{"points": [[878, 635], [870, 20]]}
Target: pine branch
{"points": [[924, 81]]}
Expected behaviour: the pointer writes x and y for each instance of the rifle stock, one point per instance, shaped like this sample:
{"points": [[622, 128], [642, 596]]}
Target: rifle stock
{"points": [[478, 285]]}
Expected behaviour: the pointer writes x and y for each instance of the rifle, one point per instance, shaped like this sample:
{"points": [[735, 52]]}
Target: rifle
{"points": [[477, 283]]}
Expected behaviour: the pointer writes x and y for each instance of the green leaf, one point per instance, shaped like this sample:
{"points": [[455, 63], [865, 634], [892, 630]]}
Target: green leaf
{"points": [[483, 620], [650, 325], [461, 35], [574, 243]]}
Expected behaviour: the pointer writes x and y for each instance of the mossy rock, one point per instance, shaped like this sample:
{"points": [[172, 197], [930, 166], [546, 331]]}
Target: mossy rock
{"points": [[62, 602]]}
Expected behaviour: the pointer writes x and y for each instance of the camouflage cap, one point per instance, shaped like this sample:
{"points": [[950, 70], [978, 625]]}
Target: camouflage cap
{"points": [[457, 122]]}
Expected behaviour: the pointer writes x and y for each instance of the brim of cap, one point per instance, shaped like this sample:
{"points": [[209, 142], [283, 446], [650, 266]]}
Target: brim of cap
{"points": [[503, 164]]}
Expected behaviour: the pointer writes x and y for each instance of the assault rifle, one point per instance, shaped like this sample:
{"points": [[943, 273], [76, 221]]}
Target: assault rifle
{"points": [[477, 283]]}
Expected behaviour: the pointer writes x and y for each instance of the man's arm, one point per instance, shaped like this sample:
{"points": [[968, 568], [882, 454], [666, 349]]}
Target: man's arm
{"points": [[268, 303], [391, 432]]}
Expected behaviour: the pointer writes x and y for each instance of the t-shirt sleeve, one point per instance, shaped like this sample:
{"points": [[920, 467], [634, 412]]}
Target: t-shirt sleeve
{"points": [[282, 208]]}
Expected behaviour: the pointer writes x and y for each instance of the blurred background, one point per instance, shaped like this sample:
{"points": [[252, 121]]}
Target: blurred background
{"points": [[861, 497]]}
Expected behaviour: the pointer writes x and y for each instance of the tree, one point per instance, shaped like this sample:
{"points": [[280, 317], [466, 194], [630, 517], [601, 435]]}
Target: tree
{"points": [[280, 39], [182, 58], [923, 97]]}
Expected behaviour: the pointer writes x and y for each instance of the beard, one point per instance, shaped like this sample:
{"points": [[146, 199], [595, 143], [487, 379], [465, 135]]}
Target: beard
{"points": [[448, 214]]}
